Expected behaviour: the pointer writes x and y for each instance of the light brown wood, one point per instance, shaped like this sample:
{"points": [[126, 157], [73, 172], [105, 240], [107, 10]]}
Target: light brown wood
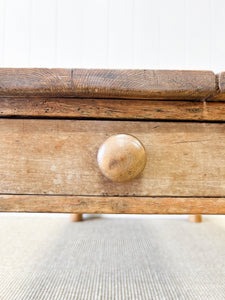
{"points": [[60, 157], [113, 109], [220, 80], [121, 158], [51, 165], [86, 83], [195, 218], [75, 217], [111, 205]]}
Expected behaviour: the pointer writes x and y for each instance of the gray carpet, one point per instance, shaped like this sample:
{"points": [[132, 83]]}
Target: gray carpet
{"points": [[51, 258]]}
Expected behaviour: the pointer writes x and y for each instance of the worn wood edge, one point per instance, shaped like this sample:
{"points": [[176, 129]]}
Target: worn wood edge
{"points": [[35, 82], [106, 83], [220, 83], [112, 109], [111, 205]]}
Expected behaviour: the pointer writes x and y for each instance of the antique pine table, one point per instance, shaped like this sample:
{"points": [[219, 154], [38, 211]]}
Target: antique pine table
{"points": [[112, 141]]}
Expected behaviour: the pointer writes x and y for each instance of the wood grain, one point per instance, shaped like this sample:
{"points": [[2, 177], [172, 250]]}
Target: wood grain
{"points": [[111, 205], [96, 83], [32, 82], [112, 109], [60, 157], [144, 84]]}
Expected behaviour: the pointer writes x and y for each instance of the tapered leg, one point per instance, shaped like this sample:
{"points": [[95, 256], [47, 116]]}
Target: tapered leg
{"points": [[75, 217], [195, 218]]}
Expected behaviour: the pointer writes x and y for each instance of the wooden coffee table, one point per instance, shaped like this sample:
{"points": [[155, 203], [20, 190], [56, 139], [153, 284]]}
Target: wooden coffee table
{"points": [[112, 141]]}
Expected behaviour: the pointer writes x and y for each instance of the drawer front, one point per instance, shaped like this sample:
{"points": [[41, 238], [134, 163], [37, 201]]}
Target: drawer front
{"points": [[59, 157]]}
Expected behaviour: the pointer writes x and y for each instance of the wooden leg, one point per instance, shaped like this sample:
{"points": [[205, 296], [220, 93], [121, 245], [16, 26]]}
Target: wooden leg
{"points": [[195, 218], [75, 217]]}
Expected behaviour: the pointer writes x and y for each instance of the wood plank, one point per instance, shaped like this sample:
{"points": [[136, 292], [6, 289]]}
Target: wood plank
{"points": [[220, 96], [112, 109], [37, 81], [59, 157], [144, 84], [111, 205], [93, 83]]}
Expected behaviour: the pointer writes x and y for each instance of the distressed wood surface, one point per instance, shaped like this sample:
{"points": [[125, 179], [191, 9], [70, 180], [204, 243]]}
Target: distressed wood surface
{"points": [[60, 157], [112, 109], [111, 205], [144, 84], [220, 96], [97, 83], [32, 82]]}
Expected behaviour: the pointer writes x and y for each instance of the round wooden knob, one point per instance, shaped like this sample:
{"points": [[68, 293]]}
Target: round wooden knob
{"points": [[121, 157]]}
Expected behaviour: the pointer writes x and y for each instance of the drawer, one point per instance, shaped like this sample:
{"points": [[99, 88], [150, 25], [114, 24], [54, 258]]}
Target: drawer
{"points": [[59, 157]]}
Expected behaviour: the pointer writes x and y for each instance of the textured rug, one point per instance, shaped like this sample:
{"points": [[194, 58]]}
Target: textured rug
{"points": [[51, 258]]}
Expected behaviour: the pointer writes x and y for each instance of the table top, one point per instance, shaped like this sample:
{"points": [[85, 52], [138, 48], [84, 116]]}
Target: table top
{"points": [[185, 85]]}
